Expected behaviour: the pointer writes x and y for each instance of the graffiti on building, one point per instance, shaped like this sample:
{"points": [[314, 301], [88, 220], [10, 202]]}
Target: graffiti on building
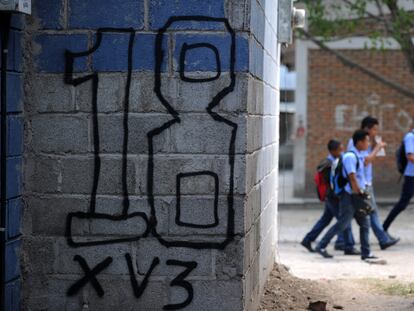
{"points": [[177, 125], [180, 281], [139, 289], [93, 215], [349, 117], [90, 276], [217, 228]]}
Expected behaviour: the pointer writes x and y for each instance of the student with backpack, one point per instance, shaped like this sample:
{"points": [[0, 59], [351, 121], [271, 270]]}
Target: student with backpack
{"points": [[371, 125], [331, 210], [405, 162], [349, 184]]}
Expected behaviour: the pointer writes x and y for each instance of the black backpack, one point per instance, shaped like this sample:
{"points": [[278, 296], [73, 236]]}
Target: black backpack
{"points": [[401, 158], [338, 180]]}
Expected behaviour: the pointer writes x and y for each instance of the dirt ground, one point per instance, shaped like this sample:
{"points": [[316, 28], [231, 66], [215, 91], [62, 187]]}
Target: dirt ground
{"points": [[286, 292], [344, 282]]}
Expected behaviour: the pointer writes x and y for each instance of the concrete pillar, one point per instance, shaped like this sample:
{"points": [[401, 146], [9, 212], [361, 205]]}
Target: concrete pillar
{"points": [[151, 154]]}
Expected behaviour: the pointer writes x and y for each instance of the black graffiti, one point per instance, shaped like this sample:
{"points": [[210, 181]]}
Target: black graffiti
{"points": [[139, 289], [183, 53], [178, 220], [90, 276], [159, 57], [92, 215], [103, 217], [181, 282], [150, 222]]}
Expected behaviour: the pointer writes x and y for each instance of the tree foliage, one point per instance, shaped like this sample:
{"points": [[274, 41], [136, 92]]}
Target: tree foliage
{"points": [[379, 20]]}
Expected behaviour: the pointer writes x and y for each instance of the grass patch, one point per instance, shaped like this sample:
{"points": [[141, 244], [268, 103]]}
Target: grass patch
{"points": [[390, 287]]}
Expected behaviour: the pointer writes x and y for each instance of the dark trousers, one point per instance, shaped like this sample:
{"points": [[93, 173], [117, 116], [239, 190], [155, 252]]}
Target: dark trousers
{"points": [[345, 238], [346, 213], [376, 225], [406, 195]]}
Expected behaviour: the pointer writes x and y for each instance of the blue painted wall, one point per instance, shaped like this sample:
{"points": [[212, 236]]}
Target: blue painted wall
{"points": [[14, 164]]}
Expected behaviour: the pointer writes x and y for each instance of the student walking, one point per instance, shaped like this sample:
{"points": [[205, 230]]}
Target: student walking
{"points": [[371, 125], [353, 171], [408, 186], [331, 209]]}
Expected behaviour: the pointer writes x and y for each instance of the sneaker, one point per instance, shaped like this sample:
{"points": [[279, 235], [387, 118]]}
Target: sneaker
{"points": [[369, 257], [307, 245], [339, 247], [352, 252], [390, 243], [323, 252], [373, 260]]}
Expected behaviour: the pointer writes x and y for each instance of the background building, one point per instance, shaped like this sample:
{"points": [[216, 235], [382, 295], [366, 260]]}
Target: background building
{"points": [[333, 99], [150, 155], [287, 117]]}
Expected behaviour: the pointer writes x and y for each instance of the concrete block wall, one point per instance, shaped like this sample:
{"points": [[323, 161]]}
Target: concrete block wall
{"points": [[262, 150], [150, 154], [14, 163]]}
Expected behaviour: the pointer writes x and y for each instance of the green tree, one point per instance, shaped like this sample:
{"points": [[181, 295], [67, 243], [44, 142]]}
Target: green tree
{"points": [[376, 19]]}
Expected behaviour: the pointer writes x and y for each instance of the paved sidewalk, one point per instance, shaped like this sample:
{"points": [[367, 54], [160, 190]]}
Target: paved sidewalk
{"points": [[294, 224]]}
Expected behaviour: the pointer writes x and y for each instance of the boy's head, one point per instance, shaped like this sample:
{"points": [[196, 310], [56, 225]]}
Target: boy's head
{"points": [[361, 139], [371, 125], [335, 148]]}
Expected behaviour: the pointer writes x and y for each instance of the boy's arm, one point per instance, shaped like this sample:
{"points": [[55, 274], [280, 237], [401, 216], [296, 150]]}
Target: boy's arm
{"points": [[354, 183], [371, 157]]}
